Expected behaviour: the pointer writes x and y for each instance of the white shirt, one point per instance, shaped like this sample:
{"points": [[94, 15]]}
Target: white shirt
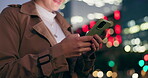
{"points": [[49, 20]]}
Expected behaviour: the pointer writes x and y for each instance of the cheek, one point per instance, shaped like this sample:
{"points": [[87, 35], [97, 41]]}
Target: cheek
{"points": [[63, 0]]}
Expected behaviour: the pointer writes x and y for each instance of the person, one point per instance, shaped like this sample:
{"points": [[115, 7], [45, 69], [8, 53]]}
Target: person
{"points": [[37, 42]]}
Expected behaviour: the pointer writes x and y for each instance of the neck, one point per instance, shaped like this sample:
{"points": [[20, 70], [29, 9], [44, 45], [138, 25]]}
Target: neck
{"points": [[40, 3]]}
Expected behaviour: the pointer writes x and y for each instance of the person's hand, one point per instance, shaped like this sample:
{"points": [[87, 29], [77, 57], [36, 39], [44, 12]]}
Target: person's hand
{"points": [[96, 42], [95, 46], [74, 45]]}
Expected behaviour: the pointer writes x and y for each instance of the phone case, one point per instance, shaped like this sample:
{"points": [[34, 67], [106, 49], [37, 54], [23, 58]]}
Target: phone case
{"points": [[99, 27]]}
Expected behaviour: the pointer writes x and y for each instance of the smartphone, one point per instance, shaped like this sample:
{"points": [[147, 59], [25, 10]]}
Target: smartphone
{"points": [[99, 27]]}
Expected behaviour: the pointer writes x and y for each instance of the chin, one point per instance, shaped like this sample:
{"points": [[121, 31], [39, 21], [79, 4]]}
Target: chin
{"points": [[55, 9]]}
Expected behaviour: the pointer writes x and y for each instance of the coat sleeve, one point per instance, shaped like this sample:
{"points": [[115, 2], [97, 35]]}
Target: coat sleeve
{"points": [[29, 66]]}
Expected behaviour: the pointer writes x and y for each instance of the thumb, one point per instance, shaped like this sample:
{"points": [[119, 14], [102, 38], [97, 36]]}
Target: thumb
{"points": [[76, 35]]}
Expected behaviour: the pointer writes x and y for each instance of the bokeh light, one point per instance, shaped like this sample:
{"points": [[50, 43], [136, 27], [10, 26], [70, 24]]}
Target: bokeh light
{"points": [[145, 68], [141, 63], [109, 73], [127, 48], [100, 74], [146, 57], [135, 75]]}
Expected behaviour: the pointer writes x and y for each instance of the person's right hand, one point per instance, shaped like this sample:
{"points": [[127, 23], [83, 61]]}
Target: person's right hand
{"points": [[74, 45]]}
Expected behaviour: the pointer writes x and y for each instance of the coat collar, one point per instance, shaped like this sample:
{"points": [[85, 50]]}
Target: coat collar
{"points": [[30, 9]]}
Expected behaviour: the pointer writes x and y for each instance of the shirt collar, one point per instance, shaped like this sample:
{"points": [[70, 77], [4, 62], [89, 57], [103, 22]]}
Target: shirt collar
{"points": [[45, 14], [29, 8]]}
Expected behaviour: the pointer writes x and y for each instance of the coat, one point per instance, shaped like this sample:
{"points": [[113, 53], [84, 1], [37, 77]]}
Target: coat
{"points": [[25, 47]]}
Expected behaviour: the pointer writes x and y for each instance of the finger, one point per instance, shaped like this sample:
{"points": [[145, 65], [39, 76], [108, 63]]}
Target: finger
{"points": [[95, 43], [84, 44], [103, 35], [75, 35], [98, 38], [93, 47], [86, 38], [76, 54], [85, 49]]}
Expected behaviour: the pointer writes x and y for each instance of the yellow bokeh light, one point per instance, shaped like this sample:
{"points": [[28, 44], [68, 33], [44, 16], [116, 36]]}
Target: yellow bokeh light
{"points": [[116, 43], [114, 75], [134, 29], [143, 73], [109, 44], [95, 73], [105, 40], [126, 31], [144, 26], [127, 48], [109, 73]]}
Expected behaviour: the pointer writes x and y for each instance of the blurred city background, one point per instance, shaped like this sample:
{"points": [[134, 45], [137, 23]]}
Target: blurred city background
{"points": [[124, 53]]}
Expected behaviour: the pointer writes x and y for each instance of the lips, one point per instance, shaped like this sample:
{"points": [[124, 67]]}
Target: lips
{"points": [[57, 1]]}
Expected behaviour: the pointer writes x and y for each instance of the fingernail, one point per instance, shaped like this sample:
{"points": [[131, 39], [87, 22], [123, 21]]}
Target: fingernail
{"points": [[78, 35]]}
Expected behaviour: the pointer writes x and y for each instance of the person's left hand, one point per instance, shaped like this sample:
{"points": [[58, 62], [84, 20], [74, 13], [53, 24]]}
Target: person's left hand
{"points": [[95, 46], [96, 42]]}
